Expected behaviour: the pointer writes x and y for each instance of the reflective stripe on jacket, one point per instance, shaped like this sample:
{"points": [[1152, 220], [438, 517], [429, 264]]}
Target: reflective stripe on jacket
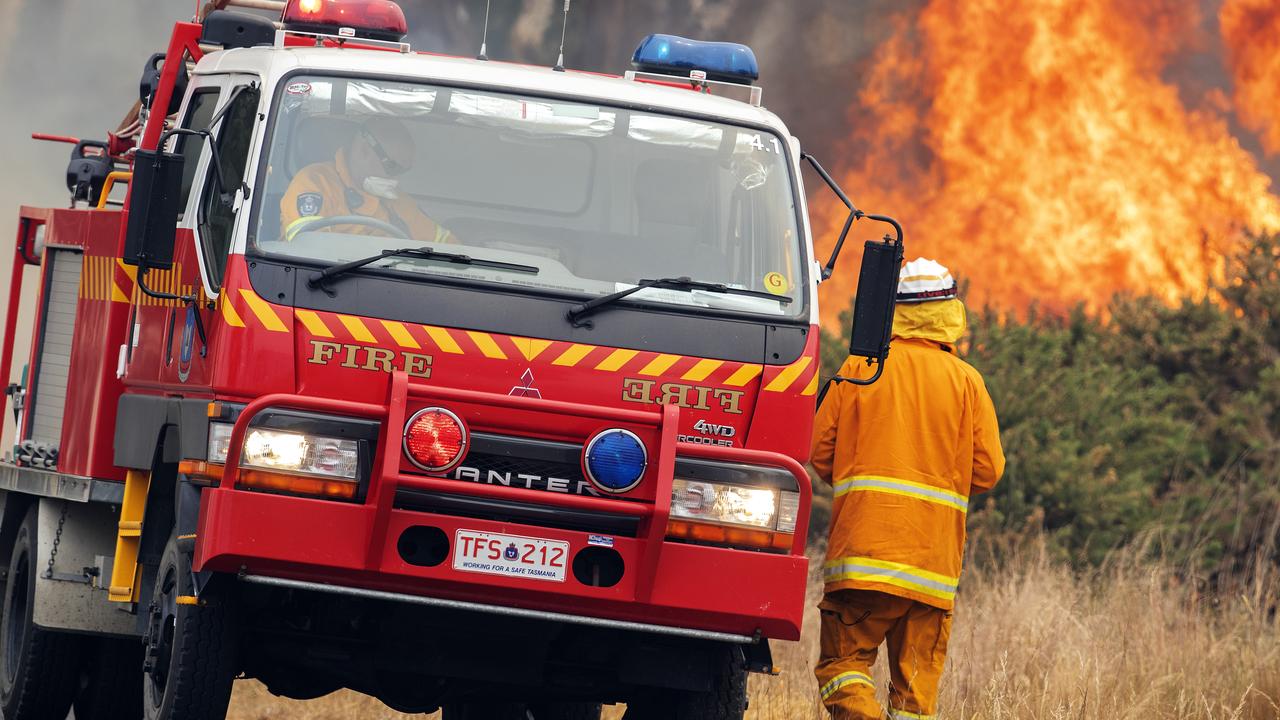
{"points": [[904, 454]]}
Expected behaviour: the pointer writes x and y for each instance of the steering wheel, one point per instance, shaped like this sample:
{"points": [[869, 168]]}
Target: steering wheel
{"points": [[364, 220]]}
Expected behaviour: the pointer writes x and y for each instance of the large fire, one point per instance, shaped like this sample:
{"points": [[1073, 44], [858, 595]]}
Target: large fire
{"points": [[1036, 147], [1251, 34]]}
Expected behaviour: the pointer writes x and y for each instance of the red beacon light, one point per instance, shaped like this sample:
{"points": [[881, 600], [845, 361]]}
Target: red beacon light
{"points": [[435, 439], [371, 19]]}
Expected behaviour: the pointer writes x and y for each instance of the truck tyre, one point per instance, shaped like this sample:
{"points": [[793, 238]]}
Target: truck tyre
{"points": [[39, 668], [190, 650], [519, 711], [726, 700], [566, 711], [484, 711], [111, 681]]}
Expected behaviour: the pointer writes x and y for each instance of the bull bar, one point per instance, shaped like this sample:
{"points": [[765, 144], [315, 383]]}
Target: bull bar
{"points": [[365, 570]]}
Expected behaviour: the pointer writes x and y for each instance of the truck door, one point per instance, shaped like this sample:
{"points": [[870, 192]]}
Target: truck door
{"points": [[168, 348]]}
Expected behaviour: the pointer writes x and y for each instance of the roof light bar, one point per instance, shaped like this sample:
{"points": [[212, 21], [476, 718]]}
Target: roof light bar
{"points": [[370, 19], [716, 61]]}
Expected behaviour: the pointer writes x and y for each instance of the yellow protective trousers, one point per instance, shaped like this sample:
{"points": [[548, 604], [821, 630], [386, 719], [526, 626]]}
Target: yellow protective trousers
{"points": [[854, 624]]}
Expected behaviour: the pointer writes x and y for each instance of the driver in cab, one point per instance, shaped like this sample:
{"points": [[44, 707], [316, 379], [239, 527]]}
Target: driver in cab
{"points": [[361, 180]]}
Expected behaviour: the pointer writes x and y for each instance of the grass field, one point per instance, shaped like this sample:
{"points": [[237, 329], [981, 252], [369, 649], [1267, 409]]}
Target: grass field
{"points": [[1033, 640]]}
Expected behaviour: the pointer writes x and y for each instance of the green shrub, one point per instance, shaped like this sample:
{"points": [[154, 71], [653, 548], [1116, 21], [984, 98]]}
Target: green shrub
{"points": [[1152, 420]]}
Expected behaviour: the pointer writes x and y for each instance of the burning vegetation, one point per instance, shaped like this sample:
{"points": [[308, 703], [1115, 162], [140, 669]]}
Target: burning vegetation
{"points": [[1047, 151]]}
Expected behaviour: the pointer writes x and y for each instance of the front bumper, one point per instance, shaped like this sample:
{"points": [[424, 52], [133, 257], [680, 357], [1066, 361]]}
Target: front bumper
{"points": [[354, 546]]}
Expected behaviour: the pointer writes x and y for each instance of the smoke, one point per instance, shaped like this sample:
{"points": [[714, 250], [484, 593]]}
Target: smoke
{"points": [[810, 51]]}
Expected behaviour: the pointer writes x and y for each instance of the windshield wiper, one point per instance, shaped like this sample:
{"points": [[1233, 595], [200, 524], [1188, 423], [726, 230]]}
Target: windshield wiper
{"points": [[422, 253], [582, 310]]}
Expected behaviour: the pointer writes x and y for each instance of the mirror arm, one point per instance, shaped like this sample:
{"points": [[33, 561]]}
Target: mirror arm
{"points": [[142, 285], [184, 299], [217, 164], [837, 379], [204, 341], [854, 213], [830, 181]]}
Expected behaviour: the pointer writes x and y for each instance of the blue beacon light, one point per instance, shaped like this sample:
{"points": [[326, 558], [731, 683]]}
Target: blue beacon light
{"points": [[721, 61], [615, 460]]}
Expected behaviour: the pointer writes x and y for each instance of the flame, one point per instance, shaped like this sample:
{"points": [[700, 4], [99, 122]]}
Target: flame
{"points": [[1035, 148], [1251, 34]]}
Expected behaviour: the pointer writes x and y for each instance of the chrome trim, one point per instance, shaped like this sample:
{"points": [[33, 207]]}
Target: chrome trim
{"points": [[48, 483], [586, 461], [463, 444], [498, 610]]}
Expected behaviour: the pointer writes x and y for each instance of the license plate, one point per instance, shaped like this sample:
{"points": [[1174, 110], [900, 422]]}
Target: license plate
{"points": [[510, 555]]}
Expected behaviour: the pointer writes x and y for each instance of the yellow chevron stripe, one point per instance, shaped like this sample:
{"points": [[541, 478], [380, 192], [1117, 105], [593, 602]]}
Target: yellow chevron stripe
{"points": [[659, 365], [229, 314], [812, 387], [789, 375], [529, 347], [443, 339], [573, 355], [313, 323], [400, 334], [265, 314], [702, 369], [357, 329], [743, 375], [616, 360], [131, 273], [487, 346]]}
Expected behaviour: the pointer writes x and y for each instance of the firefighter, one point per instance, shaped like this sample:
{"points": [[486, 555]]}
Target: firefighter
{"points": [[904, 456], [361, 180]]}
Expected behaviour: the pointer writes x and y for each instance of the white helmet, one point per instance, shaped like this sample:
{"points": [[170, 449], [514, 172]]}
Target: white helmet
{"points": [[923, 280]]}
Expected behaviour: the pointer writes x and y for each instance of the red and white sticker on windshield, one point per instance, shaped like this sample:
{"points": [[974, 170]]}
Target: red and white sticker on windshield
{"points": [[510, 555]]}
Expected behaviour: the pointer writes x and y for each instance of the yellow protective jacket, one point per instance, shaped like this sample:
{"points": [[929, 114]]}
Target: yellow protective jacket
{"points": [[325, 190], [904, 455]]}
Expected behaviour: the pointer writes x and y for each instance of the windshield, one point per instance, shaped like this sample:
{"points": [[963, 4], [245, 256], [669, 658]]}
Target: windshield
{"points": [[596, 198]]}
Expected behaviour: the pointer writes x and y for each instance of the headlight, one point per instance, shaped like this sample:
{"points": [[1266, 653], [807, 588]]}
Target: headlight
{"points": [[286, 451], [765, 508], [219, 442], [300, 453], [734, 505]]}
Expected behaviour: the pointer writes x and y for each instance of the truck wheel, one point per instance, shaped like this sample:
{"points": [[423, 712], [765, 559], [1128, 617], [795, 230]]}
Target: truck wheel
{"points": [[191, 650], [566, 711], [38, 668], [484, 711], [519, 711], [726, 700], [111, 684]]}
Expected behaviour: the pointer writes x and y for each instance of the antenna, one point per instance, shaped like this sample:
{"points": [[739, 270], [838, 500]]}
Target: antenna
{"points": [[484, 39], [565, 26]]}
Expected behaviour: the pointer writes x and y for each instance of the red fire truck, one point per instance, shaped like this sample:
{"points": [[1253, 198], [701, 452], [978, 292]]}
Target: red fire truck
{"points": [[460, 383]]}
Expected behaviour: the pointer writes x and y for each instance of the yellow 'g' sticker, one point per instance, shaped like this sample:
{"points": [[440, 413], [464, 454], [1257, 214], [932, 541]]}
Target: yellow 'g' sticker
{"points": [[776, 283]]}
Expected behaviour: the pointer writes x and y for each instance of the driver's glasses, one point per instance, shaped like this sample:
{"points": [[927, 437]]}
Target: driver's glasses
{"points": [[391, 166]]}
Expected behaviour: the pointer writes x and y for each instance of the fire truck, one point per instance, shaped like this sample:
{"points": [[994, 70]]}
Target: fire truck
{"points": [[461, 383]]}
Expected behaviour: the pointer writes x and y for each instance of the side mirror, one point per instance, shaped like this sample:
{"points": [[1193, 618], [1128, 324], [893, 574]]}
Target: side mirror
{"points": [[153, 209], [874, 305]]}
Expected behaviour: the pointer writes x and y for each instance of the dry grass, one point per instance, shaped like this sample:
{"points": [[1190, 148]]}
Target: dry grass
{"points": [[1032, 641]]}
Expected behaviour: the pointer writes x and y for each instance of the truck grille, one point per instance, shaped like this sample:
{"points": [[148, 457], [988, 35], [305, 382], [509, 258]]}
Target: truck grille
{"points": [[538, 465], [524, 463]]}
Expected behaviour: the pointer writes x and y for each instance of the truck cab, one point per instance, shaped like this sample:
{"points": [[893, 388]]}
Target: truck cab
{"points": [[461, 383]]}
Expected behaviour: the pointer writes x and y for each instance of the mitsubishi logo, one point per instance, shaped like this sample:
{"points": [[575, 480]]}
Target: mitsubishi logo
{"points": [[526, 388]]}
